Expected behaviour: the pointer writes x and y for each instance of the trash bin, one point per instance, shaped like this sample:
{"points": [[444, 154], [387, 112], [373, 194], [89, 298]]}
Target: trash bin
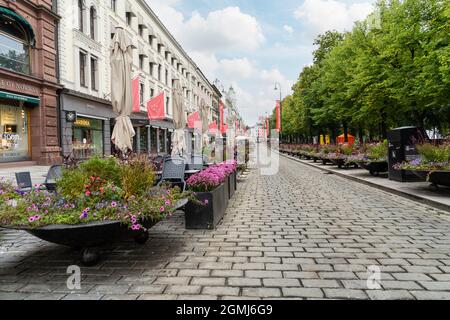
{"points": [[402, 147]]}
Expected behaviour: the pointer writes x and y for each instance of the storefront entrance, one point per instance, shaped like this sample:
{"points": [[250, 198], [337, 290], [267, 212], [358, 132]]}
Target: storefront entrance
{"points": [[15, 133]]}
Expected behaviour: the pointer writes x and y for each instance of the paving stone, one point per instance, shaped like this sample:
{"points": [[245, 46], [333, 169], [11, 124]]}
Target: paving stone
{"points": [[208, 281], [244, 282], [319, 283], [281, 283], [345, 294], [261, 292], [176, 289], [220, 291], [389, 295], [431, 295], [303, 292]]}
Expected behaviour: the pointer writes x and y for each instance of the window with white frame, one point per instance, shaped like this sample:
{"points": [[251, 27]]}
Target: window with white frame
{"points": [[81, 15], [93, 22], [82, 66], [94, 73]]}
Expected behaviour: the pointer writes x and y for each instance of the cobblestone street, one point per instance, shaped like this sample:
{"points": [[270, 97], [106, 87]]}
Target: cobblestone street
{"points": [[299, 234]]}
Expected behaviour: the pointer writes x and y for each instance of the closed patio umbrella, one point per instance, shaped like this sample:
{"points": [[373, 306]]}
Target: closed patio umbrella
{"points": [[179, 146], [121, 92]]}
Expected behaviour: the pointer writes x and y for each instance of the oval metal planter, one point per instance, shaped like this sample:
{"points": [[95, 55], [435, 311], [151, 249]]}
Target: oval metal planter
{"points": [[90, 236], [436, 178], [376, 167]]}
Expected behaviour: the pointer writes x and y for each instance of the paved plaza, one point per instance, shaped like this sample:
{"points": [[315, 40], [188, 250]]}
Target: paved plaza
{"points": [[300, 234]]}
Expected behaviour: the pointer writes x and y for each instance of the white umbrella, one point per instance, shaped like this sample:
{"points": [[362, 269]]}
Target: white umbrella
{"points": [[179, 146], [121, 95]]}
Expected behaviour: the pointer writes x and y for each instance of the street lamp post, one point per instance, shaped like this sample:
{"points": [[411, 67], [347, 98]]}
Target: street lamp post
{"points": [[278, 87]]}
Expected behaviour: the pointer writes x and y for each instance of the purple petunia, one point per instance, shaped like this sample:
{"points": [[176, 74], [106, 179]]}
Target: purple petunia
{"points": [[114, 204]]}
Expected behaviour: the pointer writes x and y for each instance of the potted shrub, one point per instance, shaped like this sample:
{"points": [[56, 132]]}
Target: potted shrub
{"points": [[99, 202], [212, 193], [432, 164]]}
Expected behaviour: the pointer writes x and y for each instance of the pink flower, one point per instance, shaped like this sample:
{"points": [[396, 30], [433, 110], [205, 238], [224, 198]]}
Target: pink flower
{"points": [[168, 203], [31, 219], [136, 227], [88, 193], [162, 209], [206, 201], [114, 204], [37, 217]]}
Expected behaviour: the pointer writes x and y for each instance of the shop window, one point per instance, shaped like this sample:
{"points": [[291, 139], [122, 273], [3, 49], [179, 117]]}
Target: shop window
{"points": [[152, 92], [154, 140], [87, 139], [167, 77], [162, 140], [15, 133], [143, 142], [94, 73], [14, 45]]}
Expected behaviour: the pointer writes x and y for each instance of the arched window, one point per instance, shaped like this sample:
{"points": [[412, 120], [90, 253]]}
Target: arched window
{"points": [[93, 22], [16, 37], [81, 15]]}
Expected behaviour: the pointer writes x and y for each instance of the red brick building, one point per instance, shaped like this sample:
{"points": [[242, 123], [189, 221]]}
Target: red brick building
{"points": [[29, 82]]}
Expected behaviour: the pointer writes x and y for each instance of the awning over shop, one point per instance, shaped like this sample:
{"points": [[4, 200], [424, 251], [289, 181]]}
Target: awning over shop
{"points": [[21, 20], [19, 97]]}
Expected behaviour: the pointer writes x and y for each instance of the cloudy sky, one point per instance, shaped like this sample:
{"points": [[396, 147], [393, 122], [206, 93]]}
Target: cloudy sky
{"points": [[251, 44]]}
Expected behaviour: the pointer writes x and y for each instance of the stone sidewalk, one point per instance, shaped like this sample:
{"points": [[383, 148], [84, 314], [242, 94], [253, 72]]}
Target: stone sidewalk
{"points": [[300, 234]]}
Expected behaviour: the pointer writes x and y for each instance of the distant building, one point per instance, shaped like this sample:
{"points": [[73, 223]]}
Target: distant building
{"points": [[85, 33]]}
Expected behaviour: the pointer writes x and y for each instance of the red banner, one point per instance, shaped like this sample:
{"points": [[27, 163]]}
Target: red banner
{"points": [[221, 110], [194, 120], [135, 94], [213, 127], [155, 108], [278, 112]]}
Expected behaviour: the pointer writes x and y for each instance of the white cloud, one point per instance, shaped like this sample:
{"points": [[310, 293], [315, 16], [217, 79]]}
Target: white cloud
{"points": [[225, 29], [324, 15], [288, 29], [239, 35]]}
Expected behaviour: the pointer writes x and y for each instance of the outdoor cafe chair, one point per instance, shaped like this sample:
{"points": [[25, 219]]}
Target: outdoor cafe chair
{"points": [[173, 171], [23, 180], [54, 173]]}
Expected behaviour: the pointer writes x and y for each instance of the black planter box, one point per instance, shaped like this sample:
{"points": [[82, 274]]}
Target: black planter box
{"points": [[207, 216], [232, 183]]}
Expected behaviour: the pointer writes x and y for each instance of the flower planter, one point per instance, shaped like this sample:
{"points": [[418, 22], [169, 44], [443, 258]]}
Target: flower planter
{"points": [[436, 178], [341, 163], [90, 237], [440, 178], [376, 167], [208, 215]]}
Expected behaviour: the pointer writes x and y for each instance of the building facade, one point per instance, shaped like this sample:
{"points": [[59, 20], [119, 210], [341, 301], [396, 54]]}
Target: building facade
{"points": [[85, 37], [29, 82]]}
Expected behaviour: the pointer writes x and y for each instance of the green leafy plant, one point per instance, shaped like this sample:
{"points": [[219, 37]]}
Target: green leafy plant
{"points": [[434, 154], [137, 177]]}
